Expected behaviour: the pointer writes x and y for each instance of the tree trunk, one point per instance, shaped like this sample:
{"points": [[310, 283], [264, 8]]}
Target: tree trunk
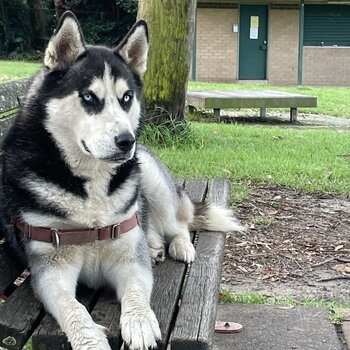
{"points": [[171, 26], [38, 21]]}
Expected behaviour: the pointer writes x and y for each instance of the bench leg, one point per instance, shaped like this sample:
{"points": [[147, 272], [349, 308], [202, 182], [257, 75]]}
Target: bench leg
{"points": [[263, 112], [217, 113], [293, 114]]}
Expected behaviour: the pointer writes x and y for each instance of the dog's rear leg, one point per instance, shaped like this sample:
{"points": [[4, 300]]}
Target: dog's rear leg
{"points": [[177, 234], [139, 325], [56, 290]]}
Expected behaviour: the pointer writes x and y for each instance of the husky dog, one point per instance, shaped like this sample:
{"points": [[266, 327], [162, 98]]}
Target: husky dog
{"points": [[84, 197]]}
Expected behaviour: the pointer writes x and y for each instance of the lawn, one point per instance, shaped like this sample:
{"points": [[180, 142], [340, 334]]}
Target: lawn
{"points": [[309, 160], [12, 70]]}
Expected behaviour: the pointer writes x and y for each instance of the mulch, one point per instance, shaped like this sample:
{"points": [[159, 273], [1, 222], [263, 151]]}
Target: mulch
{"points": [[290, 236]]}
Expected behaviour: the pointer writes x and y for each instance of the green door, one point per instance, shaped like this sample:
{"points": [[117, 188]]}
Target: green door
{"points": [[252, 42]]}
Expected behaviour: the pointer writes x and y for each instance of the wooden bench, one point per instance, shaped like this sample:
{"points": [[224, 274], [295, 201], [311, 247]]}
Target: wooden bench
{"points": [[262, 99], [184, 297]]}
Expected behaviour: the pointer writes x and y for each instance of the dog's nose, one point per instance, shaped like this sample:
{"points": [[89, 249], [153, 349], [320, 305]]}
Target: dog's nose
{"points": [[125, 141]]}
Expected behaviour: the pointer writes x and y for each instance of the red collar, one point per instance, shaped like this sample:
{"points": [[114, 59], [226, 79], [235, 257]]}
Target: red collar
{"points": [[75, 236]]}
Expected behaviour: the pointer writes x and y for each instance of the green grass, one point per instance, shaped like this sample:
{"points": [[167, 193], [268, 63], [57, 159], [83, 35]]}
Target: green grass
{"points": [[309, 160], [335, 316], [13, 70], [330, 100]]}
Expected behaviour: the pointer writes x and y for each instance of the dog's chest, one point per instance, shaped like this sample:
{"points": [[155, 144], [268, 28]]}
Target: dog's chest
{"points": [[98, 207]]}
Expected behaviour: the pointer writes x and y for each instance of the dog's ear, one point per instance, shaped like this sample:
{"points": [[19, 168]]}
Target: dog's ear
{"points": [[134, 48], [66, 45]]}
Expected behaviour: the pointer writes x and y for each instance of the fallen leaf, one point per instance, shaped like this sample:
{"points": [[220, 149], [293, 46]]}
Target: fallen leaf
{"points": [[343, 268]]}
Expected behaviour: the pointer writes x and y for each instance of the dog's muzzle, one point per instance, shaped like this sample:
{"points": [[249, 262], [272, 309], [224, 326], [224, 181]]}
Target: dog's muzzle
{"points": [[124, 141]]}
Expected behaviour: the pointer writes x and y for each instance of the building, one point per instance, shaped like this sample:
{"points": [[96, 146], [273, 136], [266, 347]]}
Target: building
{"points": [[285, 42]]}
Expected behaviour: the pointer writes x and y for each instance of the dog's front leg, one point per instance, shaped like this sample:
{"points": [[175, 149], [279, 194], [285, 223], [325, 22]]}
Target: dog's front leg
{"points": [[139, 326], [56, 290]]}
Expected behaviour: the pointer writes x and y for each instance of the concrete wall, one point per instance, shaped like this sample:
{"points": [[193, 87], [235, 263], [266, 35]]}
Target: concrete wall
{"points": [[283, 46], [216, 49], [326, 66]]}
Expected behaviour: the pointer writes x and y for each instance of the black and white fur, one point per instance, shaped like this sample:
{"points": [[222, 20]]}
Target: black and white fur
{"points": [[72, 160]]}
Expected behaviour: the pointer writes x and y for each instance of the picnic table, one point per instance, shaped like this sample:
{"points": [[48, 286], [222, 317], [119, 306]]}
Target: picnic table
{"points": [[263, 99]]}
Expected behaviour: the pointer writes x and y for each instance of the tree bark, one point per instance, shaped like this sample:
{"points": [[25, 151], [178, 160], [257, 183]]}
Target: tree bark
{"points": [[171, 26], [38, 20]]}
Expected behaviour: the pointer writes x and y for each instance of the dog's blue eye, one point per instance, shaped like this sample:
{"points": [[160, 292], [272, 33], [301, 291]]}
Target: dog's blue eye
{"points": [[127, 97], [87, 97]]}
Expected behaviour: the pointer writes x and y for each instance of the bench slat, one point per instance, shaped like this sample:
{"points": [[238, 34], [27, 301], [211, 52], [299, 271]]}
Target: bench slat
{"points": [[48, 335], [19, 315], [107, 314], [10, 91], [168, 281], [219, 192], [196, 189], [194, 326], [10, 267]]}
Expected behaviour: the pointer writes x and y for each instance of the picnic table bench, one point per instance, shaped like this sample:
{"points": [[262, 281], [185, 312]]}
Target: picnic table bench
{"points": [[263, 99], [184, 296]]}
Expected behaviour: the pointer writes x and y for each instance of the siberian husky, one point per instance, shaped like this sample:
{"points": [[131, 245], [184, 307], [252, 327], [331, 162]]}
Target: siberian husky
{"points": [[85, 197]]}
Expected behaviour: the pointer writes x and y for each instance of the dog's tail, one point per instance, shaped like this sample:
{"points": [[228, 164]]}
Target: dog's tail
{"points": [[212, 217]]}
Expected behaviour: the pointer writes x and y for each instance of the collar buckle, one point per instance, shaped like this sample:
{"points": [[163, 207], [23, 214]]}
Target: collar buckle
{"points": [[115, 233], [55, 237]]}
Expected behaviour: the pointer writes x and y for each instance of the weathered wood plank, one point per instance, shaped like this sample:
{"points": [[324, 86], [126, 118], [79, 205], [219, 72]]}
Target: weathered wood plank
{"points": [[179, 182], [219, 192], [196, 189], [10, 267], [19, 315], [106, 313], [48, 335], [168, 281], [194, 326], [10, 91]]}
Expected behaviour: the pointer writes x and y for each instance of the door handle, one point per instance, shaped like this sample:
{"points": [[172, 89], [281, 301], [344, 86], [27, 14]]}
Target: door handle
{"points": [[263, 46]]}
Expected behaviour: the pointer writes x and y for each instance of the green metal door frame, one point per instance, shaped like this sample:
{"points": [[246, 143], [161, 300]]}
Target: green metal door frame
{"points": [[301, 42], [194, 49]]}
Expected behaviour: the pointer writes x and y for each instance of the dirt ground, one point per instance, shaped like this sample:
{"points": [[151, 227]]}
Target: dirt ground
{"points": [[296, 244]]}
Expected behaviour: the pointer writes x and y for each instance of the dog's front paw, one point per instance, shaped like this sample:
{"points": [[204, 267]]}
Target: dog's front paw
{"points": [[182, 249], [157, 252], [140, 329]]}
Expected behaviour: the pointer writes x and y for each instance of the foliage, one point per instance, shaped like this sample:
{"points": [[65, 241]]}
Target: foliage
{"points": [[171, 134], [14, 26], [103, 22]]}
